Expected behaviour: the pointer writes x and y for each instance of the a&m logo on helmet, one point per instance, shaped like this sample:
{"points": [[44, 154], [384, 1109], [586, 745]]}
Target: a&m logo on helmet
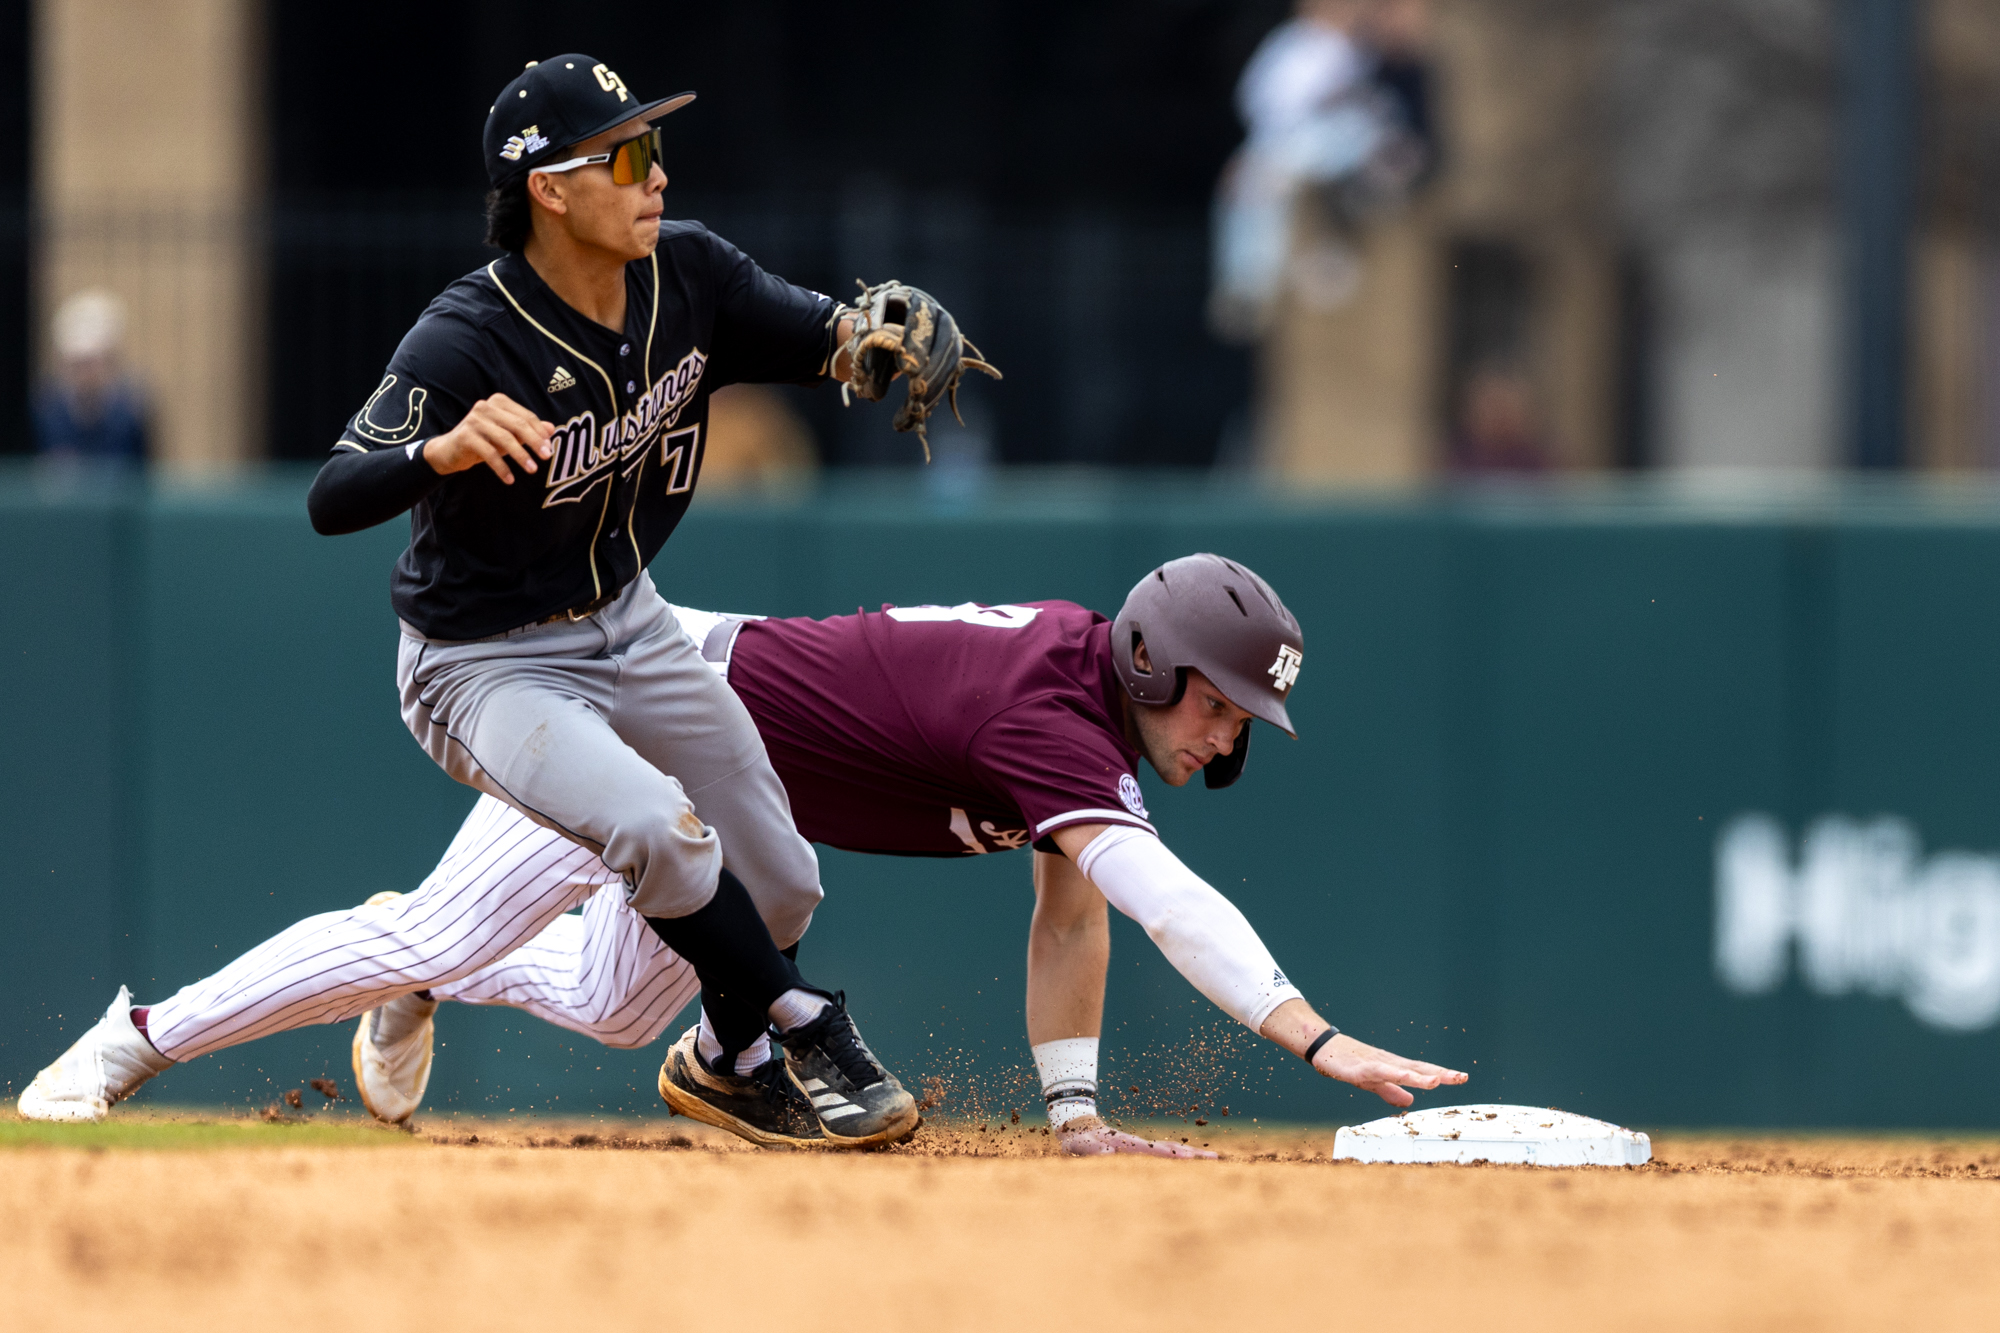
{"points": [[1286, 669], [529, 140]]}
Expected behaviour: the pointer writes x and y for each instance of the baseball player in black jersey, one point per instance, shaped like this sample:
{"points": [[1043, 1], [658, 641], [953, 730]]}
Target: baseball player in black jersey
{"points": [[545, 422]]}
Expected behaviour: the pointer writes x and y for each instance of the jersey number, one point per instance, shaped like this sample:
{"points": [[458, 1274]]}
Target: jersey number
{"points": [[680, 456]]}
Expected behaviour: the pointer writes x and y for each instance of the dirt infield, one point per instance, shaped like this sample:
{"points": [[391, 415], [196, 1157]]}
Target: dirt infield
{"points": [[541, 1225]]}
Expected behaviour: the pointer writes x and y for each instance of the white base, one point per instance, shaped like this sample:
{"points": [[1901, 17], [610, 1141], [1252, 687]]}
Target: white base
{"points": [[1527, 1135]]}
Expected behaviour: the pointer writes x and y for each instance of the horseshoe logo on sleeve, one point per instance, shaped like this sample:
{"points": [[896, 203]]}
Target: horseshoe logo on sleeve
{"points": [[369, 429]]}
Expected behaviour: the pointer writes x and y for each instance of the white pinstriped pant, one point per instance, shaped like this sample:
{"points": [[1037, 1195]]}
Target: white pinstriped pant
{"points": [[486, 927]]}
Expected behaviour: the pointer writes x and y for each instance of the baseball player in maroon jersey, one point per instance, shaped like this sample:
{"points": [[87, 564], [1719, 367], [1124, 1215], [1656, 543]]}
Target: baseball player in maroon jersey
{"points": [[956, 731], [929, 731]]}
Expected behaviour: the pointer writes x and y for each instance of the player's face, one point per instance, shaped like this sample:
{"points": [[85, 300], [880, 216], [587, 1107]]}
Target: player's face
{"points": [[1179, 739], [602, 214]]}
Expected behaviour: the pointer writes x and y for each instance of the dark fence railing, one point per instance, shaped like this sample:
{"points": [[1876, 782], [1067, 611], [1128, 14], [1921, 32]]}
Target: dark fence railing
{"points": [[1096, 317]]}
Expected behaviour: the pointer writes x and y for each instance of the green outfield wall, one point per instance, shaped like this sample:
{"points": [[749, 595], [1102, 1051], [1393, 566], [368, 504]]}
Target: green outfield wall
{"points": [[1677, 811]]}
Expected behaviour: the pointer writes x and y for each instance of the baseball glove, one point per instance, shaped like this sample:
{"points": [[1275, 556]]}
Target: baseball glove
{"points": [[899, 329]]}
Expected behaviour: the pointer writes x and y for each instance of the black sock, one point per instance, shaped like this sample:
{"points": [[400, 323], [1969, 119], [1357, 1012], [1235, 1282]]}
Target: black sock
{"points": [[741, 969], [737, 1026]]}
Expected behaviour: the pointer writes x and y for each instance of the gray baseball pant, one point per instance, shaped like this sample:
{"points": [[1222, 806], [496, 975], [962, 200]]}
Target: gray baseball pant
{"points": [[614, 732]]}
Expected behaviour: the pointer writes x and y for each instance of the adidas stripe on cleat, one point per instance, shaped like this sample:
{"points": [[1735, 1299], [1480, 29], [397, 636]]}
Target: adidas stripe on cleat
{"points": [[859, 1103], [829, 1105]]}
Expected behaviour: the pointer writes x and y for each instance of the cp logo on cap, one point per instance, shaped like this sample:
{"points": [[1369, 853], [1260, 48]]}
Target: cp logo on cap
{"points": [[610, 82]]}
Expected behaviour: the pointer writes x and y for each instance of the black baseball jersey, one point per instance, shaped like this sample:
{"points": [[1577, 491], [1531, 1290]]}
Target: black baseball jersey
{"points": [[630, 410]]}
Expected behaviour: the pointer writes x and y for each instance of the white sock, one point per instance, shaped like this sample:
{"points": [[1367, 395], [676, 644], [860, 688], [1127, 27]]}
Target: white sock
{"points": [[400, 1017], [796, 1008], [709, 1047], [1069, 1078]]}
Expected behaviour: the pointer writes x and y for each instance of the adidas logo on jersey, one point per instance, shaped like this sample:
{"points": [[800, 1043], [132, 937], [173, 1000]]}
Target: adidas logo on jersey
{"points": [[561, 380]]}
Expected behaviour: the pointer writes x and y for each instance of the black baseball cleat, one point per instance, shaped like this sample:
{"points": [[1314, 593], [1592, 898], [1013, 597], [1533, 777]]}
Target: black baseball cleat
{"points": [[763, 1107], [859, 1102]]}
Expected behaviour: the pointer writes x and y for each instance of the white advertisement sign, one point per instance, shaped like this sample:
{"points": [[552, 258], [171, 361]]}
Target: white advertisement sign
{"points": [[1862, 911]]}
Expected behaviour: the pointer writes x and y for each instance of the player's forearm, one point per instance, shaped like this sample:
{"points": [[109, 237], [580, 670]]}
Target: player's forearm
{"points": [[1069, 950], [358, 490], [1207, 939]]}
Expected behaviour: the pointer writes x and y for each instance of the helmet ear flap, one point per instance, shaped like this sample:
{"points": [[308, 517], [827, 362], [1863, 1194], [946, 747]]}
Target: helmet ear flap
{"points": [[1224, 769], [1156, 683]]}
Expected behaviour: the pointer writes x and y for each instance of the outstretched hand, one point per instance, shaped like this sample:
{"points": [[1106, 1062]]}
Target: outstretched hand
{"points": [[1294, 1026], [1381, 1072]]}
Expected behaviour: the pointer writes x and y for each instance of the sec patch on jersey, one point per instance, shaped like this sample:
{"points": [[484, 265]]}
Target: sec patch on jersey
{"points": [[1128, 792]]}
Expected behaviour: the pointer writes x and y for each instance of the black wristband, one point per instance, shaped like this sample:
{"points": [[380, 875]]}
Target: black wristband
{"points": [[1319, 1041]]}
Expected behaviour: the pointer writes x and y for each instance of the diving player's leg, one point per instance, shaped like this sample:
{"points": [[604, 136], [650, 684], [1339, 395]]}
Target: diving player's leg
{"points": [[500, 883], [603, 974]]}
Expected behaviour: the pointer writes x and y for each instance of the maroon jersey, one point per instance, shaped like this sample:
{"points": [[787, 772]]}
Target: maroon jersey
{"points": [[942, 731]]}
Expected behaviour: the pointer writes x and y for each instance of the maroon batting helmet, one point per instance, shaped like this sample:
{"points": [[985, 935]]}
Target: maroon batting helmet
{"points": [[1213, 615]]}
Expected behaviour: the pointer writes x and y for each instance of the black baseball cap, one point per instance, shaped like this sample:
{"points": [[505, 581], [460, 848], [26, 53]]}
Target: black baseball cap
{"points": [[555, 103]]}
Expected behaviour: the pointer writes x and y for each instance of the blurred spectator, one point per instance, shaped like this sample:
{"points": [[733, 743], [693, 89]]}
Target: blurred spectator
{"points": [[1336, 102], [92, 415], [1398, 32], [755, 439], [1499, 427]]}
